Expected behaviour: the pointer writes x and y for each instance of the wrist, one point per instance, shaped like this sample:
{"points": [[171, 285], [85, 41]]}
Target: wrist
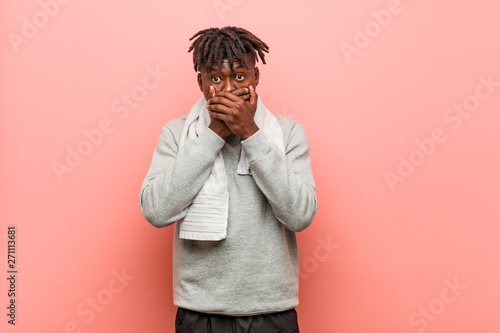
{"points": [[222, 132], [250, 132]]}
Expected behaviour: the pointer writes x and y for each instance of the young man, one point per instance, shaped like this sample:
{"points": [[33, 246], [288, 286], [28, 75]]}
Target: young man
{"points": [[237, 182]]}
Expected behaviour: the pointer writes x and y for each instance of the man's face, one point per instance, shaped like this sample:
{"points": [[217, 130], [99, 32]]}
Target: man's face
{"points": [[225, 80]]}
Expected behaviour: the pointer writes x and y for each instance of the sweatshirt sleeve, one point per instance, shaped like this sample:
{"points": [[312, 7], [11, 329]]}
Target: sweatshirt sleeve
{"points": [[177, 175], [286, 180]]}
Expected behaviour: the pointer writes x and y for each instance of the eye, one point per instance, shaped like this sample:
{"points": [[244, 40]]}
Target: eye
{"points": [[215, 79], [239, 77]]}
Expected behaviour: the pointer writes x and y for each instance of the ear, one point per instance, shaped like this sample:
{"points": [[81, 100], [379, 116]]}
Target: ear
{"points": [[200, 81], [257, 75]]}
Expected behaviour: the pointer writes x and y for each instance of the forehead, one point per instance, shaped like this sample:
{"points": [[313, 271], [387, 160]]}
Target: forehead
{"points": [[225, 64], [237, 64]]}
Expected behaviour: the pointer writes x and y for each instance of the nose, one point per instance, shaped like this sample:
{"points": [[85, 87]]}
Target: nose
{"points": [[229, 86]]}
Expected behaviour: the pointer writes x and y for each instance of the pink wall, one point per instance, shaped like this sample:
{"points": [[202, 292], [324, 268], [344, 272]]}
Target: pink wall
{"points": [[400, 100]]}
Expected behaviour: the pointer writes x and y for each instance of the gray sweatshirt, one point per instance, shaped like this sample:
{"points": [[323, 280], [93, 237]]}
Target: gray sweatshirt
{"points": [[255, 269]]}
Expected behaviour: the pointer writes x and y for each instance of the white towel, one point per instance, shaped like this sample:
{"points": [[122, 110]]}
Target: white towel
{"points": [[206, 218]]}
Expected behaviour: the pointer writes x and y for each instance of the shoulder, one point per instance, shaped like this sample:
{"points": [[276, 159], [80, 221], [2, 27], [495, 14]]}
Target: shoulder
{"points": [[292, 129], [173, 128], [175, 124]]}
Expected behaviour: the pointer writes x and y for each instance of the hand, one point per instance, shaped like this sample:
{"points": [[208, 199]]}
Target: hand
{"points": [[219, 126], [243, 93], [237, 113]]}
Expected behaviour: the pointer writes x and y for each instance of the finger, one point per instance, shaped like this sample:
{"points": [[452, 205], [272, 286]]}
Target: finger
{"points": [[253, 96], [218, 115], [245, 97], [228, 95], [240, 92], [212, 94], [219, 109], [227, 98]]}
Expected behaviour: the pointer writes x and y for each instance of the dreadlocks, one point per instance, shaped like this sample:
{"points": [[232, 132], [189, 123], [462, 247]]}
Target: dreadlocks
{"points": [[216, 44]]}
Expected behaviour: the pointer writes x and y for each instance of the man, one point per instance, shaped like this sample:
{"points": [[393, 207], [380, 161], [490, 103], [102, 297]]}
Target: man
{"points": [[237, 182]]}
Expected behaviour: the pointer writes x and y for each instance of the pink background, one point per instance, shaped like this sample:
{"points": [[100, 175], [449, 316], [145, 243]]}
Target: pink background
{"points": [[406, 234]]}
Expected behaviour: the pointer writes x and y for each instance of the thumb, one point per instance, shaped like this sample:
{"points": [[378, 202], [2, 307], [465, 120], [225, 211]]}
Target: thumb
{"points": [[253, 96]]}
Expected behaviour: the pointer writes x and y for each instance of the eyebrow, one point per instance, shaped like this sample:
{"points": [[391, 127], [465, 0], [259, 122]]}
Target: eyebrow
{"points": [[235, 67]]}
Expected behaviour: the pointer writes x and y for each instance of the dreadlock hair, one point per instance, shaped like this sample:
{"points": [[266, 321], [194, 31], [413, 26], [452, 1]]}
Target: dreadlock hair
{"points": [[216, 44]]}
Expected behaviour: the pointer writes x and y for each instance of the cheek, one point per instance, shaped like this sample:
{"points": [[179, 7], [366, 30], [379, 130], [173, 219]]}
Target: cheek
{"points": [[247, 82], [206, 89], [206, 92], [250, 81]]}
